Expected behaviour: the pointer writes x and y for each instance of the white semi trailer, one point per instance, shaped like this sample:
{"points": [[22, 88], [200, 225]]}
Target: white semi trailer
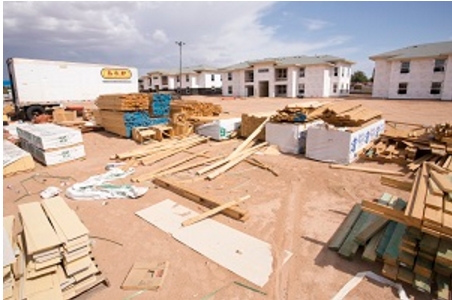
{"points": [[39, 84]]}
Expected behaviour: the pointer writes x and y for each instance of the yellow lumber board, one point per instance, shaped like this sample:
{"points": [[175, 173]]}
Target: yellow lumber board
{"points": [[367, 170]]}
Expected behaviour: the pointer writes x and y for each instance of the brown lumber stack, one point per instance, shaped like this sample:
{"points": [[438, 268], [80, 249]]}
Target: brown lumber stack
{"points": [[113, 121], [193, 108], [348, 114], [251, 121], [299, 112], [123, 102], [181, 126]]}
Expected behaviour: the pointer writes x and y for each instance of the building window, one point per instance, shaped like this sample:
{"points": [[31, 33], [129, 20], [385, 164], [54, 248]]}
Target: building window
{"points": [[342, 69], [177, 79], [302, 72], [230, 90], [439, 65], [405, 67], [164, 80], [150, 81], [301, 89], [155, 78], [262, 71], [249, 76], [281, 74], [403, 88], [187, 78], [212, 77], [436, 88], [335, 88], [336, 70], [187, 90], [281, 90], [229, 76]]}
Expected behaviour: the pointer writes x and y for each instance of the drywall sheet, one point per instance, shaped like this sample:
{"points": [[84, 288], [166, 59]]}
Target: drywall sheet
{"points": [[49, 136], [220, 129], [12, 153], [8, 252], [54, 157], [240, 253], [289, 137]]}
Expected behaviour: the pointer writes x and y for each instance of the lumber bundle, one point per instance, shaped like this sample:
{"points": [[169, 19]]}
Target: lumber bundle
{"points": [[122, 123], [57, 252], [194, 108], [252, 121], [299, 112], [123, 102], [181, 126], [10, 258], [443, 132], [61, 115], [408, 144], [408, 254], [348, 114], [159, 105]]}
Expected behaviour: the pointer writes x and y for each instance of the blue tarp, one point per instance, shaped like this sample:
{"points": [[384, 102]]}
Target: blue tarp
{"points": [[7, 83]]}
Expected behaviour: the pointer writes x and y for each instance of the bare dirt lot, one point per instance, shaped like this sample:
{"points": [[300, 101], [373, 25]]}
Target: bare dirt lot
{"points": [[297, 211]]}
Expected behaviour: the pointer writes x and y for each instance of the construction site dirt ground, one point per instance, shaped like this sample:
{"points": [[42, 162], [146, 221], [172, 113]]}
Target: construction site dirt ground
{"points": [[297, 211]]}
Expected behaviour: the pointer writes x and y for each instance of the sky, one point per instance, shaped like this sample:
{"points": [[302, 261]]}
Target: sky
{"points": [[218, 34]]}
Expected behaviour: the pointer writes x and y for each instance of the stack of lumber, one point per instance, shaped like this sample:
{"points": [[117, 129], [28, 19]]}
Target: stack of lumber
{"points": [[193, 108], [408, 144], [51, 144], [9, 258], [123, 102], [15, 159], [408, 254], [443, 132], [348, 114], [57, 251], [296, 112], [122, 123], [159, 105], [60, 115], [251, 121], [181, 126]]}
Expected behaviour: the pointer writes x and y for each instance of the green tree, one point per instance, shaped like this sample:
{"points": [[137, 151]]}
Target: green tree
{"points": [[359, 76]]}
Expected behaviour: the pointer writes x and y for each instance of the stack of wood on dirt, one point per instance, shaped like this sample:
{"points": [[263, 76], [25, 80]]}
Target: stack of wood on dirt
{"points": [[409, 145], [299, 112], [251, 121], [120, 113], [442, 134], [194, 108], [56, 252], [182, 127], [407, 253], [123, 102], [10, 259], [15, 159], [348, 114]]}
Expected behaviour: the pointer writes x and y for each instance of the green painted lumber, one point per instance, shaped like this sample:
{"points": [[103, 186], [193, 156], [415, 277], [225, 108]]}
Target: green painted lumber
{"points": [[341, 233], [422, 283], [370, 252], [385, 238], [443, 285], [392, 250]]}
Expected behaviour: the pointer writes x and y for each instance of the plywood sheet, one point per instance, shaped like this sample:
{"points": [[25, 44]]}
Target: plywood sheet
{"points": [[242, 254]]}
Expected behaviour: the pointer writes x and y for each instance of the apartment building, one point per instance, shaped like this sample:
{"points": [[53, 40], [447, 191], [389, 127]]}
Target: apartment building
{"points": [[296, 76], [200, 80], [415, 72]]}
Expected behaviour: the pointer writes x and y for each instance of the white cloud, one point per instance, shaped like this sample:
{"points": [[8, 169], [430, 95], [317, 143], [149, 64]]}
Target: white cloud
{"points": [[160, 36], [142, 34], [313, 24]]}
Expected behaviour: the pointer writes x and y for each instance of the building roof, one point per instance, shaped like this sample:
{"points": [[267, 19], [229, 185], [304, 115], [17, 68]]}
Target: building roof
{"points": [[417, 51], [185, 70], [302, 60]]}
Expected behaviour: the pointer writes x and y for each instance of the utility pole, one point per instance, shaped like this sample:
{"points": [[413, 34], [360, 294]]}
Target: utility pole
{"points": [[180, 44]]}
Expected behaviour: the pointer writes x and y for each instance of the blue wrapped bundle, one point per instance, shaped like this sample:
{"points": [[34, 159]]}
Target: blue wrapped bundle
{"points": [[159, 105], [140, 119]]}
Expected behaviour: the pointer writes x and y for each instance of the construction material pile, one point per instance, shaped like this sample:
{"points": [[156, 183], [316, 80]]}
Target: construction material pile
{"points": [[442, 133], [410, 144], [193, 108], [159, 105], [348, 114], [123, 102], [413, 239], [10, 253], [251, 121], [121, 113], [53, 259], [51, 144], [294, 113], [15, 159]]}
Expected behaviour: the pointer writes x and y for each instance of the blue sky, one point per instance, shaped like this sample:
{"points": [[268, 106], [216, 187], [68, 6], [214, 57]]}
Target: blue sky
{"points": [[142, 34]]}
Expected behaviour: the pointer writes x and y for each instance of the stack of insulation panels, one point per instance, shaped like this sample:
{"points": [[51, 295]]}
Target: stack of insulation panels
{"points": [[51, 144]]}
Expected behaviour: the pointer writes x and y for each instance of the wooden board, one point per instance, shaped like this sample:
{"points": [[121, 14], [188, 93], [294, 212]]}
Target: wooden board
{"points": [[443, 286], [208, 201], [443, 181], [341, 233], [392, 249], [370, 250], [39, 234], [146, 276]]}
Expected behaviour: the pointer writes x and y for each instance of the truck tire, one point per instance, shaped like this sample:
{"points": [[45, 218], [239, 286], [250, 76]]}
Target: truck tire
{"points": [[33, 110]]}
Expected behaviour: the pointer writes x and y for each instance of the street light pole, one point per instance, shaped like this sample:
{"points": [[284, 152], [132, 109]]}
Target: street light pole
{"points": [[180, 43]]}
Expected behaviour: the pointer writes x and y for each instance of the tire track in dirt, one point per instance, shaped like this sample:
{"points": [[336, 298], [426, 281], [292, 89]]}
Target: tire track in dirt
{"points": [[285, 232]]}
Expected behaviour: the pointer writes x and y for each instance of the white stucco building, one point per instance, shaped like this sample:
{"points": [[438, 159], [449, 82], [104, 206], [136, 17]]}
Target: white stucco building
{"points": [[296, 76], [195, 80], [415, 72]]}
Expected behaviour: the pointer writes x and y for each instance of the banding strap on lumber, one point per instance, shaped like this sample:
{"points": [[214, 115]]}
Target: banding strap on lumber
{"points": [[236, 160], [367, 170], [214, 211], [233, 212]]}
